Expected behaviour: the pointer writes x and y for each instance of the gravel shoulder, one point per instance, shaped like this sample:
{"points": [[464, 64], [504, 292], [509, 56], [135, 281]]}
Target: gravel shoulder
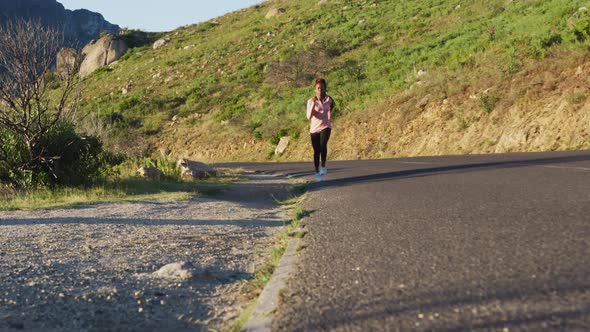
{"points": [[99, 268]]}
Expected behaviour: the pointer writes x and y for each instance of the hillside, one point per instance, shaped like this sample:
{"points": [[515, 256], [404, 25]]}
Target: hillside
{"points": [[409, 77]]}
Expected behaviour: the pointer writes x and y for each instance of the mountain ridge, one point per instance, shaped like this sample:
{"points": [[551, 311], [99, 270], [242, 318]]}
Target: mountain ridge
{"points": [[79, 26]]}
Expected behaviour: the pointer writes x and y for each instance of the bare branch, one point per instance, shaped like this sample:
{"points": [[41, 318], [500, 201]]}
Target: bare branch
{"points": [[27, 54]]}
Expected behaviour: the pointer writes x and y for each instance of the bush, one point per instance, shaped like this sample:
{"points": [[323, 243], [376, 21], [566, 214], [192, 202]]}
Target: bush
{"points": [[67, 159], [137, 38], [79, 157], [488, 102]]}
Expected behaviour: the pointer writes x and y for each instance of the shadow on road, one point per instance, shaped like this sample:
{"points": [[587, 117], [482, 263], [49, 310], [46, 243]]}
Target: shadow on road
{"points": [[138, 222], [453, 307], [421, 172]]}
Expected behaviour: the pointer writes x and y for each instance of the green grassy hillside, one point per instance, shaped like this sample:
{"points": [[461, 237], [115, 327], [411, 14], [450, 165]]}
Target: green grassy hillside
{"points": [[229, 88]]}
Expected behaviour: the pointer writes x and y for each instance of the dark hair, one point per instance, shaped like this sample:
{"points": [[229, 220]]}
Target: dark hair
{"points": [[321, 80]]}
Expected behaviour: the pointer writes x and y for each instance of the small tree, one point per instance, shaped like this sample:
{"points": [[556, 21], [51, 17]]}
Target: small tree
{"points": [[30, 111], [300, 68]]}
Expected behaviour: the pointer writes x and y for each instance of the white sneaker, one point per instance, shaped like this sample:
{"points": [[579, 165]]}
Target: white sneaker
{"points": [[318, 177], [323, 171]]}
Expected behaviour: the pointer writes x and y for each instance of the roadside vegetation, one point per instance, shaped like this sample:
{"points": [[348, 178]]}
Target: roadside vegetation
{"points": [[117, 183], [47, 159], [271, 259]]}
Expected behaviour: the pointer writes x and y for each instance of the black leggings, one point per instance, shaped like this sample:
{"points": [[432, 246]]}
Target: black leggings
{"points": [[319, 141]]}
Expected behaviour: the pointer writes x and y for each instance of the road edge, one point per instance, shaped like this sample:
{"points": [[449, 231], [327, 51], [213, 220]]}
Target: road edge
{"points": [[262, 316]]}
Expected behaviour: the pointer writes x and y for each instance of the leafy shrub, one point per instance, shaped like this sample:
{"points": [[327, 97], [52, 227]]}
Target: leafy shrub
{"points": [[134, 52], [128, 103], [79, 157], [137, 38], [578, 97], [232, 107], [488, 102], [202, 27], [67, 159], [580, 26]]}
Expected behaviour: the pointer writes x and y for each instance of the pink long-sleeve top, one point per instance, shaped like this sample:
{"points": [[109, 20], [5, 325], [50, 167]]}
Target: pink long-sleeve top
{"points": [[319, 112]]}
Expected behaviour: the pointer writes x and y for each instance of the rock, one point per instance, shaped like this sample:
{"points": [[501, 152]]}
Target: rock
{"points": [[149, 173], [66, 61], [275, 12], [511, 140], [190, 169], [159, 43], [423, 102], [103, 52], [282, 146], [179, 271]]}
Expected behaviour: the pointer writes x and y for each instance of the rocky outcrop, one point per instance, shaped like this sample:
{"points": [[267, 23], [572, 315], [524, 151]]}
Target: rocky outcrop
{"points": [[282, 146], [79, 26], [159, 43], [192, 170], [103, 52], [275, 12], [66, 60], [149, 173]]}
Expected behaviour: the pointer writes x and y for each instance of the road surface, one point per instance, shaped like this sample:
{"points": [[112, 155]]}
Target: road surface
{"points": [[453, 243]]}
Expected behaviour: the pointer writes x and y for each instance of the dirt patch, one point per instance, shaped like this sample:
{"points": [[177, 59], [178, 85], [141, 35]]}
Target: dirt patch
{"points": [[95, 268]]}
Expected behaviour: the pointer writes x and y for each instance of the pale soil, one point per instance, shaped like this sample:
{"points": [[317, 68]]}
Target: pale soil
{"points": [[91, 268]]}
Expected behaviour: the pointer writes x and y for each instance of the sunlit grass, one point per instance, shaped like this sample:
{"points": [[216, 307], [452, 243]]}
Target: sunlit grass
{"points": [[126, 190]]}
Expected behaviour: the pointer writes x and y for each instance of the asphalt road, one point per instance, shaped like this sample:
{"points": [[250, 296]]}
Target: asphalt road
{"points": [[453, 243]]}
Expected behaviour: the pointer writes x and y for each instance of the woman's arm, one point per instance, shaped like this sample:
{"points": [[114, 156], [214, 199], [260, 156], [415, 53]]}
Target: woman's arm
{"points": [[310, 106], [331, 108]]}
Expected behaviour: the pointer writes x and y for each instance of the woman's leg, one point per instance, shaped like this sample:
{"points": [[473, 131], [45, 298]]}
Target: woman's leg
{"points": [[324, 137], [317, 148]]}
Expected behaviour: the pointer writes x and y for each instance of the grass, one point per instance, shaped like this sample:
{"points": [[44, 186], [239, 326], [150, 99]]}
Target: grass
{"points": [[238, 325], [271, 259], [126, 190], [578, 97]]}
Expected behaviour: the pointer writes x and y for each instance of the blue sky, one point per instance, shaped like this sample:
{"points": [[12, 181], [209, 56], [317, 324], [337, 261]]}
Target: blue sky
{"points": [[158, 15]]}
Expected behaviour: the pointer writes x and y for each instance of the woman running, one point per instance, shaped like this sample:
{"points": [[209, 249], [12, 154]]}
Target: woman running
{"points": [[319, 112]]}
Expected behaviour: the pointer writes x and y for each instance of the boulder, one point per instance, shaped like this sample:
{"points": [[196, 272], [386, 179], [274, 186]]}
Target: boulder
{"points": [[179, 271], [149, 173], [191, 170], [66, 61], [275, 12], [282, 146], [423, 102], [159, 43], [103, 52]]}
